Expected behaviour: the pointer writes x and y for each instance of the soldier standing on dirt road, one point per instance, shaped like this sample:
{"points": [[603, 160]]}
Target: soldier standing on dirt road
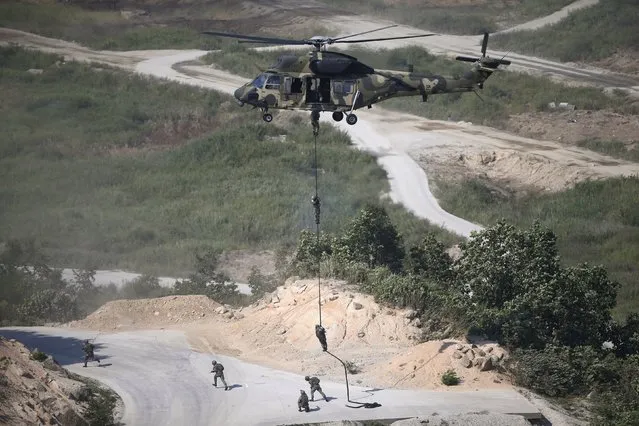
{"points": [[218, 369], [315, 386]]}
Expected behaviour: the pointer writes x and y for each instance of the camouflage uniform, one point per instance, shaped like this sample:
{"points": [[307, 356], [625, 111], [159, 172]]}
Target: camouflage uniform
{"points": [[88, 349], [320, 332], [218, 369], [315, 386], [302, 402]]}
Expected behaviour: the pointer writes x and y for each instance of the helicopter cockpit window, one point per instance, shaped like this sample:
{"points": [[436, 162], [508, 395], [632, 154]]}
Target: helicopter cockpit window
{"points": [[259, 81], [273, 82], [348, 87]]}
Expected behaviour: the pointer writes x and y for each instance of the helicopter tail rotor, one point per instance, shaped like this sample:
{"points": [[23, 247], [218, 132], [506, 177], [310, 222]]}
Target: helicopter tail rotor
{"points": [[486, 61]]}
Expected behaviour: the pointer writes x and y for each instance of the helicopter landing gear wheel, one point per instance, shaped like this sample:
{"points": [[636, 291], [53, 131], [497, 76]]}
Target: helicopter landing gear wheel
{"points": [[351, 119], [315, 115], [338, 115], [267, 117]]}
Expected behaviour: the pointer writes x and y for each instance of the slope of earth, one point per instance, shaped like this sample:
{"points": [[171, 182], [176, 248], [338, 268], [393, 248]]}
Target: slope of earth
{"points": [[148, 313], [278, 331], [33, 392]]}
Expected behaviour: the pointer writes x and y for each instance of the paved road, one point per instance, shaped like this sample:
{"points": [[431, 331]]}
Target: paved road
{"points": [[163, 382]]}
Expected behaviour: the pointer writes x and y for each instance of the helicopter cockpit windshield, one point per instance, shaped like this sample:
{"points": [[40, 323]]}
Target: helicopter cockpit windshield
{"points": [[259, 81]]}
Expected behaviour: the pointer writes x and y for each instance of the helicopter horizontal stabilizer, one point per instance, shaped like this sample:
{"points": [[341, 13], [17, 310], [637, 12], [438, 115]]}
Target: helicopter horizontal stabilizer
{"points": [[486, 61]]}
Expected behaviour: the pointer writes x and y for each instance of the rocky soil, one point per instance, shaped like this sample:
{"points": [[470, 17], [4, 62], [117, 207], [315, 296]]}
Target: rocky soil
{"points": [[38, 393]]}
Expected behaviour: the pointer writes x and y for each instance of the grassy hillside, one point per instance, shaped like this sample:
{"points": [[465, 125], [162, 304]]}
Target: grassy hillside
{"points": [[453, 17], [595, 222], [139, 25], [589, 34], [109, 169]]}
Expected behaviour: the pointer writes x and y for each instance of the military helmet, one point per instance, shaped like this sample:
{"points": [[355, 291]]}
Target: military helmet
{"points": [[307, 378], [214, 362]]}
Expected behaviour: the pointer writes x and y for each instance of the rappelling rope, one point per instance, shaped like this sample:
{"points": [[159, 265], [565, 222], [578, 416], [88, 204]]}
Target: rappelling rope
{"points": [[316, 204]]}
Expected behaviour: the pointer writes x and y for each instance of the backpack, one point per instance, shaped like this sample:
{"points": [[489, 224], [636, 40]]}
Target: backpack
{"points": [[220, 367]]}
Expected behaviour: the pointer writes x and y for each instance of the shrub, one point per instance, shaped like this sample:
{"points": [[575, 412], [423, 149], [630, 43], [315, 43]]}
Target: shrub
{"points": [[38, 355], [100, 410], [450, 378], [352, 368]]}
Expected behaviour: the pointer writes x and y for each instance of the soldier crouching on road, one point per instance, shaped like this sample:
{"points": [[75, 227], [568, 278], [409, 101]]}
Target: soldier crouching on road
{"points": [[302, 402], [218, 369]]}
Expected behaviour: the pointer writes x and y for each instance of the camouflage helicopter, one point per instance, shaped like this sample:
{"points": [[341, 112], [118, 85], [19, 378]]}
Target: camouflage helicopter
{"points": [[335, 82]]}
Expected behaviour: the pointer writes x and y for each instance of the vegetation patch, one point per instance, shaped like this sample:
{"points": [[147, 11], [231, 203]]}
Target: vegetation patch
{"points": [[588, 34], [456, 18], [595, 222], [450, 378], [108, 169]]}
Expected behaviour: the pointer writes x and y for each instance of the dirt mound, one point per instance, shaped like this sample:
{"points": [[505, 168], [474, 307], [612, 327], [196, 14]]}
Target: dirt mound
{"points": [[32, 394], [148, 313], [279, 332]]}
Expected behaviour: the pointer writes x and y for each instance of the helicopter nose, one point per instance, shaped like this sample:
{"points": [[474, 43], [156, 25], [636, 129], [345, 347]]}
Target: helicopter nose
{"points": [[239, 93]]}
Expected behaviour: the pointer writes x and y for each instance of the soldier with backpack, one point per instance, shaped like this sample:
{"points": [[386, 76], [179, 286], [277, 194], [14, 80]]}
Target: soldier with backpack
{"points": [[218, 369]]}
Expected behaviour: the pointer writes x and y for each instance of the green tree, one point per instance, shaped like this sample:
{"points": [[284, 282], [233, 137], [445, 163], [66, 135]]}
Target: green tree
{"points": [[372, 239], [517, 292], [430, 260], [309, 247], [260, 283]]}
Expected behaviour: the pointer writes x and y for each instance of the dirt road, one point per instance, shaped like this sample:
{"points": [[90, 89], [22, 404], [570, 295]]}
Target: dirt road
{"points": [[163, 382]]}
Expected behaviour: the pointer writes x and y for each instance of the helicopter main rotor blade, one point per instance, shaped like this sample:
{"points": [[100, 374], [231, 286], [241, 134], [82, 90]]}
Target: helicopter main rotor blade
{"points": [[257, 39], [362, 33], [382, 39]]}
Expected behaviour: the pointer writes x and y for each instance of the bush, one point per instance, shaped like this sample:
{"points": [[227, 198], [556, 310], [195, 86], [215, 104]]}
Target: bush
{"points": [[100, 410], [352, 368], [450, 378], [38, 355]]}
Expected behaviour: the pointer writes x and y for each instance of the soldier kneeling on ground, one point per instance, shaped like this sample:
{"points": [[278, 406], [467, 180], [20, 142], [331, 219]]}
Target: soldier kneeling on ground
{"points": [[218, 369], [302, 402]]}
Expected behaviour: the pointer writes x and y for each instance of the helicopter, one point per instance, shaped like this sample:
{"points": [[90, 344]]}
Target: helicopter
{"points": [[328, 81]]}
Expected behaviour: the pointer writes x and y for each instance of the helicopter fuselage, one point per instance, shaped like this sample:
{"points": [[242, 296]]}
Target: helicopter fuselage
{"points": [[339, 83]]}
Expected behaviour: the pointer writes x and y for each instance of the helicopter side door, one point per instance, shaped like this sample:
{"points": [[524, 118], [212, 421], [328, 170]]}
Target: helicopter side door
{"points": [[291, 92], [342, 92]]}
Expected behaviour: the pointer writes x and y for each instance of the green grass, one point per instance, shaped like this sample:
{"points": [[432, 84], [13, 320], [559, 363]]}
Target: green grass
{"points": [[595, 222], [454, 19], [588, 34], [504, 93], [612, 148], [109, 169], [106, 30]]}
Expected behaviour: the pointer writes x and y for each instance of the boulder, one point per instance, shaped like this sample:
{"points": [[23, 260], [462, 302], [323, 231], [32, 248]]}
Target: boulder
{"points": [[221, 310], [229, 314], [465, 349], [333, 297], [52, 364], [80, 393], [361, 334], [480, 352], [275, 299], [494, 359], [459, 346], [489, 349], [416, 322], [458, 355], [477, 362], [465, 362], [238, 315], [486, 365], [410, 314], [470, 355], [357, 306]]}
